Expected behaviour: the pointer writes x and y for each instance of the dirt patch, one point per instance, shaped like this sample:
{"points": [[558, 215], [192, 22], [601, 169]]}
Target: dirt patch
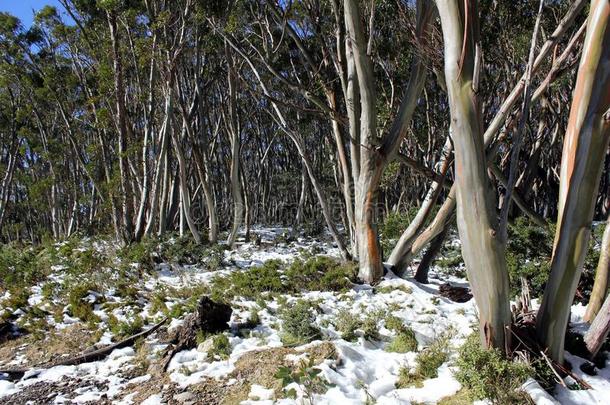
{"points": [[56, 345], [47, 392], [260, 366]]}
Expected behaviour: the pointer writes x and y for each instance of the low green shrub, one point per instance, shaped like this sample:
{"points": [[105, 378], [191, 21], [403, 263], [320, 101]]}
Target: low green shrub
{"points": [[80, 308], [298, 324], [487, 374], [428, 361], [183, 250], [141, 252], [249, 283], [403, 342], [221, 347], [125, 329], [370, 328], [394, 323], [19, 267], [320, 273], [347, 323]]}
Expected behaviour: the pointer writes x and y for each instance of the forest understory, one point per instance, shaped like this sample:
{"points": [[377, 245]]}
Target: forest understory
{"points": [[305, 202], [301, 330]]}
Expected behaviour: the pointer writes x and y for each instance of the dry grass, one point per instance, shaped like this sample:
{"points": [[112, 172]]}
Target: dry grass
{"points": [[56, 345]]}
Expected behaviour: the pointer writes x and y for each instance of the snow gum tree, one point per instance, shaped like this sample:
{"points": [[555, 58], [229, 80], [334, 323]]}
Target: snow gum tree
{"points": [[584, 148], [482, 249]]}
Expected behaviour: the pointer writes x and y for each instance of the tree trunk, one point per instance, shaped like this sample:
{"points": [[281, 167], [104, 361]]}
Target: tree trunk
{"points": [[483, 252], [234, 137], [122, 128], [598, 331], [585, 145], [421, 275], [602, 277]]}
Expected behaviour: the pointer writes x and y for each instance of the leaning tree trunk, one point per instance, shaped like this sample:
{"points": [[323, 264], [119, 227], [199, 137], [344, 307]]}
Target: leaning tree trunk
{"points": [[482, 250], [585, 145], [599, 329], [602, 275], [403, 253]]}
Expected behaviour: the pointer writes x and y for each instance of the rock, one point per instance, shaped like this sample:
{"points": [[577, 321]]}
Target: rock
{"points": [[206, 346], [186, 398]]}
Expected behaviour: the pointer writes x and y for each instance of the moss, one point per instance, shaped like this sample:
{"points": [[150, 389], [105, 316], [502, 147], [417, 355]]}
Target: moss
{"points": [[403, 342], [487, 374], [298, 324]]}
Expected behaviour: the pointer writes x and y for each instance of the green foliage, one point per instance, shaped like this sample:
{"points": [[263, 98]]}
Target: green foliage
{"points": [[428, 361], [394, 225], [125, 329], [307, 376], [221, 347], [369, 327], [18, 299], [298, 324], [317, 273], [249, 283], [487, 374], [184, 250], [394, 323], [320, 273], [528, 255], [347, 323], [403, 342], [139, 252], [80, 308], [450, 258], [20, 267]]}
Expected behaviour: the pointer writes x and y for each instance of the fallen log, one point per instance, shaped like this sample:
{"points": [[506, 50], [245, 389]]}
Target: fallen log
{"points": [[85, 357]]}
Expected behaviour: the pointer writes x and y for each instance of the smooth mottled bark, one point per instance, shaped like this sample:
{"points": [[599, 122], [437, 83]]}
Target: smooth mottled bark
{"points": [[482, 250], [376, 152], [585, 145], [602, 277], [599, 329]]}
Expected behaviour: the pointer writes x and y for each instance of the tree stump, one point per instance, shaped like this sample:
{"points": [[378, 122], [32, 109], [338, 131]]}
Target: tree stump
{"points": [[209, 317]]}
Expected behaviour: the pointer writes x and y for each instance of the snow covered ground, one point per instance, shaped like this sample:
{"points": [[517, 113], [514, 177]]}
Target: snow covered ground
{"points": [[361, 372]]}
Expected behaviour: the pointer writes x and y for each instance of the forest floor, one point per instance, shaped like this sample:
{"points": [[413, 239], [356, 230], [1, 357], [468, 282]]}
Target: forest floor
{"points": [[355, 349]]}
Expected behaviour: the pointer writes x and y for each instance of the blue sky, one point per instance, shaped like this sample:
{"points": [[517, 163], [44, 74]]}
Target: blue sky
{"points": [[23, 8]]}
